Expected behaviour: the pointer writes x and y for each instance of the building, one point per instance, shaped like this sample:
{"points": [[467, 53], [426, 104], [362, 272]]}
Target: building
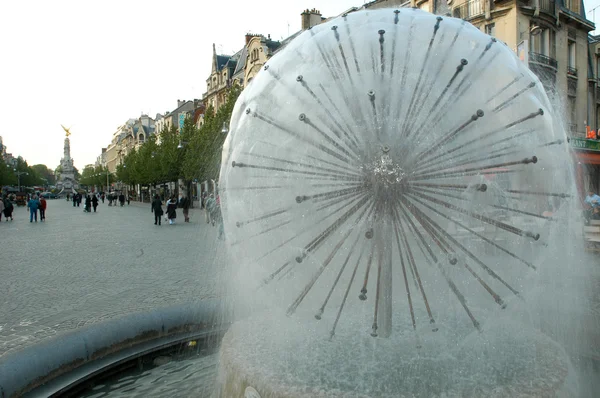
{"points": [[241, 67], [552, 37], [128, 136], [220, 79]]}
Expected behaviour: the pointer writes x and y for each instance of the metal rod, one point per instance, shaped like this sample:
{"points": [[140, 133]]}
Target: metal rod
{"points": [[337, 318], [319, 313], [478, 235]]}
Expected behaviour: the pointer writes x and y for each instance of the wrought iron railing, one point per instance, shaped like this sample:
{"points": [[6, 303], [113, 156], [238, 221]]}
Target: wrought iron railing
{"points": [[469, 9], [571, 71], [543, 60]]}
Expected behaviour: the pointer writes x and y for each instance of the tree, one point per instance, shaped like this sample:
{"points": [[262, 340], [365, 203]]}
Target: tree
{"points": [[170, 159], [7, 175], [44, 173], [203, 157]]}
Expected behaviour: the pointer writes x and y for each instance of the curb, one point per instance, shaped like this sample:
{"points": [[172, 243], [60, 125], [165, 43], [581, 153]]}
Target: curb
{"points": [[32, 367]]}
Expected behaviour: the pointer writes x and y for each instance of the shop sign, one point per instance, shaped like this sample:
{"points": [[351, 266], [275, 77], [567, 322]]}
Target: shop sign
{"points": [[588, 145]]}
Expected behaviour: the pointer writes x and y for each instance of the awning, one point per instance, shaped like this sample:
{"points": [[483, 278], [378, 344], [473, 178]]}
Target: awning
{"points": [[588, 157]]}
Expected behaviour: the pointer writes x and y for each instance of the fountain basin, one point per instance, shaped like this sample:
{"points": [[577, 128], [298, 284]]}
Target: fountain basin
{"points": [[282, 358]]}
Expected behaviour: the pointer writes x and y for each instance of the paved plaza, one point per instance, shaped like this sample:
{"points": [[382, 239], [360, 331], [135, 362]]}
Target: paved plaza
{"points": [[80, 268]]}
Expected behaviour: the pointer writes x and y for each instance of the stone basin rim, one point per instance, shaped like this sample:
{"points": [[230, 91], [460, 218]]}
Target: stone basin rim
{"points": [[64, 361]]}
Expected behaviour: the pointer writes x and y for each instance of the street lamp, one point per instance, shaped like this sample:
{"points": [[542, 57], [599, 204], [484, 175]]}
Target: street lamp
{"points": [[19, 174]]}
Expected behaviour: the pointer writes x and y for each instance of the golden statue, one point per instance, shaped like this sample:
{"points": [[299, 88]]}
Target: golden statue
{"points": [[67, 130]]}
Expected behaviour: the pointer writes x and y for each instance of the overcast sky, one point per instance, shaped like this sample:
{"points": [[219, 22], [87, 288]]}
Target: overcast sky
{"points": [[93, 65]]}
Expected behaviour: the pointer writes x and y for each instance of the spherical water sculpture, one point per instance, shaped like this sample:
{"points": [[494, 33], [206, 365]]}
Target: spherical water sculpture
{"points": [[385, 184]]}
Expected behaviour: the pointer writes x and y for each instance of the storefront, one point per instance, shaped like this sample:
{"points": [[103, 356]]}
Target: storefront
{"points": [[587, 165]]}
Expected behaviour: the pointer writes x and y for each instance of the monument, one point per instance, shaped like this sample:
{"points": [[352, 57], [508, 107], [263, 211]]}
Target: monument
{"points": [[66, 181], [385, 184]]}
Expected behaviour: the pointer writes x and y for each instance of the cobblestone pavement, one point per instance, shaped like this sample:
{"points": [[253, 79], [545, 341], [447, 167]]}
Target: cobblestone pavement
{"points": [[77, 269]]}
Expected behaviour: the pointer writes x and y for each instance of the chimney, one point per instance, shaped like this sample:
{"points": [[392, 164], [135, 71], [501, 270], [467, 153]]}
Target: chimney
{"points": [[248, 37], [310, 18], [180, 102]]}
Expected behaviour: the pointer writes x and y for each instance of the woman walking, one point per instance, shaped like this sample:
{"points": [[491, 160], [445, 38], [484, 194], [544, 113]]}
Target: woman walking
{"points": [[157, 209], [95, 202], [8, 208], [43, 206], [88, 204], [172, 210], [185, 204]]}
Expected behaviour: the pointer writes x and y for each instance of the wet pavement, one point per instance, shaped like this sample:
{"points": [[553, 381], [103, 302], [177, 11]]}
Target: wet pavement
{"points": [[77, 269]]}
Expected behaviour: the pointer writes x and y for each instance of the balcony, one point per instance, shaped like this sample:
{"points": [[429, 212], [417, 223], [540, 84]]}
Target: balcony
{"points": [[571, 71], [547, 6], [543, 60], [468, 10]]}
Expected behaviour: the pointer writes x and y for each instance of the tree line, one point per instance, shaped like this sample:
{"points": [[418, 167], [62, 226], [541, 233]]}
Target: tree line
{"points": [[36, 175], [194, 153]]}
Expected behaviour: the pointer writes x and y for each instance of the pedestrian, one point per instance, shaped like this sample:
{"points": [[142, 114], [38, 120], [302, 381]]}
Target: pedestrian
{"points": [[33, 204], [122, 199], [128, 199], [8, 208], [68, 197], [2, 207], [102, 197], [95, 202], [79, 199], [74, 199], [88, 204], [185, 204], [43, 206], [211, 204], [156, 208], [172, 210]]}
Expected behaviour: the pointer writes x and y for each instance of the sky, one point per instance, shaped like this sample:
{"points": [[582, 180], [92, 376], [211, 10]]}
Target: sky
{"points": [[91, 66]]}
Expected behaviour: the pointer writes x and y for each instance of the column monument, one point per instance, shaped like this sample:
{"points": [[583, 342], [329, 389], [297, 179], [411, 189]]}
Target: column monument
{"points": [[66, 178]]}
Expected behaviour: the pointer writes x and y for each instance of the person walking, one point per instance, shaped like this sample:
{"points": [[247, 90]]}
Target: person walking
{"points": [[172, 210], [8, 208], [95, 202], [185, 205], [211, 204], [122, 199], [33, 204], [156, 208], [2, 207], [88, 204], [43, 206], [74, 199], [102, 197]]}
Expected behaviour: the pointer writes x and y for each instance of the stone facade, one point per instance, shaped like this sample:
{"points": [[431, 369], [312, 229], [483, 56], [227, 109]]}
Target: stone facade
{"points": [[551, 35]]}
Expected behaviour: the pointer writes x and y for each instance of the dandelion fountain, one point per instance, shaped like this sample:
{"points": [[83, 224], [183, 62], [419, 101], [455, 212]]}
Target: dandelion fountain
{"points": [[384, 187]]}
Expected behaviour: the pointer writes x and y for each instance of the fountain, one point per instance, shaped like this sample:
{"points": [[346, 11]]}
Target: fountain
{"points": [[385, 188]]}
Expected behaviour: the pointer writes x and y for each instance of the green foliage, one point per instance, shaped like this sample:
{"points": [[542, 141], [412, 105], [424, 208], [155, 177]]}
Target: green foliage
{"points": [[192, 153], [45, 174], [203, 160], [95, 176]]}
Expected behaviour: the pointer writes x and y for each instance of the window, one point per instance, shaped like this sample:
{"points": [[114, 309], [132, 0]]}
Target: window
{"points": [[572, 111], [572, 55], [544, 43], [490, 29]]}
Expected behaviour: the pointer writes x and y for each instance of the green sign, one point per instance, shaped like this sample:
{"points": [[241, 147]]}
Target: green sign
{"points": [[588, 145]]}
